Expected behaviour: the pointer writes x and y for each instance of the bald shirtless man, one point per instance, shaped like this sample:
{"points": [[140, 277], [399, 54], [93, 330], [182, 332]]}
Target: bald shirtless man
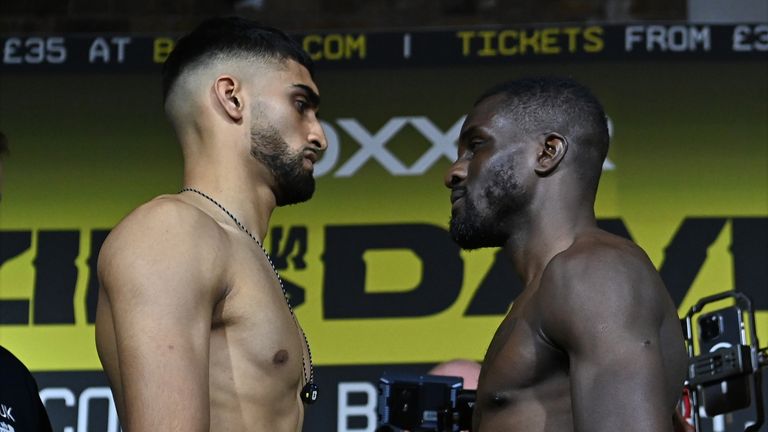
{"points": [[192, 327], [593, 343]]}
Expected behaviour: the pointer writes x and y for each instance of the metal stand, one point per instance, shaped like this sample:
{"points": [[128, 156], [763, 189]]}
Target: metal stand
{"points": [[708, 368]]}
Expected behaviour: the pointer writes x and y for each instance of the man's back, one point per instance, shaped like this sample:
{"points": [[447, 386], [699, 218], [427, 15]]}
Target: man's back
{"points": [[595, 335], [192, 318]]}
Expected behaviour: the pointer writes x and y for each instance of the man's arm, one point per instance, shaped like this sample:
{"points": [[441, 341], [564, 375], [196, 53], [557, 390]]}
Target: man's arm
{"points": [[159, 273], [604, 313]]}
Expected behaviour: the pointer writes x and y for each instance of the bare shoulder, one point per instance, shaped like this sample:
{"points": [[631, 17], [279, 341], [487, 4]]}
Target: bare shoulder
{"points": [[602, 277], [161, 235], [601, 263]]}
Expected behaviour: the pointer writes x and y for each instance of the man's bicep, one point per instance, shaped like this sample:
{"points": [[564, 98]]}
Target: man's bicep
{"points": [[163, 367], [602, 318], [617, 368], [619, 389], [161, 306]]}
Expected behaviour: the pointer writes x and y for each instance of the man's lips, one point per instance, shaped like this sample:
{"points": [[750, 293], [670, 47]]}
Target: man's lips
{"points": [[457, 194], [311, 155]]}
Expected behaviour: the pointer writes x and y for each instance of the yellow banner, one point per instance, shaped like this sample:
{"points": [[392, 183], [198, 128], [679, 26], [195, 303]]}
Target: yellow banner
{"points": [[368, 257]]}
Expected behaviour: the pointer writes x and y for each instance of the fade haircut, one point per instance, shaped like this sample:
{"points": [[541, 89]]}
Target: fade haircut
{"points": [[554, 104], [230, 38]]}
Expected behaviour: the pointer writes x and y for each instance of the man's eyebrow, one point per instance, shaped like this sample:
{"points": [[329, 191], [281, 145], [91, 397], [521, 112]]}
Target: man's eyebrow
{"points": [[467, 132], [314, 98]]}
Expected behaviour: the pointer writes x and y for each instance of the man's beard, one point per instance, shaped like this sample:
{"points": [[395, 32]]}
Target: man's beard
{"points": [[294, 183], [473, 228]]}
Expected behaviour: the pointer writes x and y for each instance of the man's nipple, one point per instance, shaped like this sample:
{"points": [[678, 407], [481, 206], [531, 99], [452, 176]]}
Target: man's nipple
{"points": [[498, 400], [280, 357]]}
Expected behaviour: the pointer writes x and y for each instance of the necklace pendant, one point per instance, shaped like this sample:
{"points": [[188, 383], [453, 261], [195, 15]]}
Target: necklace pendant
{"points": [[309, 393]]}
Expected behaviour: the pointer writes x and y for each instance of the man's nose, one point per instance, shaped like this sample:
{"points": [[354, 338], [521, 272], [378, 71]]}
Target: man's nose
{"points": [[317, 136], [455, 174]]}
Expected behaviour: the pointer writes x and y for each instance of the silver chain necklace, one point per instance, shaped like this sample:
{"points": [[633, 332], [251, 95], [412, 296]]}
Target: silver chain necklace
{"points": [[310, 390]]}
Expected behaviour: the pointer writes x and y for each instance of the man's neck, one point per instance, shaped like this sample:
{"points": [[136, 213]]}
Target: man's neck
{"points": [[540, 235], [249, 199]]}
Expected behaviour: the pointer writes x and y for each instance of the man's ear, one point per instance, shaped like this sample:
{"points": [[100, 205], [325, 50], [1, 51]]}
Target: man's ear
{"points": [[227, 93], [551, 153]]}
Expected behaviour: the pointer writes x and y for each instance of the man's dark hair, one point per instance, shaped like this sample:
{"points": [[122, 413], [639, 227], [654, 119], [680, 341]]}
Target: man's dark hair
{"points": [[230, 36], [553, 104]]}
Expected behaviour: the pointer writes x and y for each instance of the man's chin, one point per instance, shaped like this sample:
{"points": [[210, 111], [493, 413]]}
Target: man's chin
{"points": [[465, 240], [292, 200], [467, 243], [296, 193], [469, 238]]}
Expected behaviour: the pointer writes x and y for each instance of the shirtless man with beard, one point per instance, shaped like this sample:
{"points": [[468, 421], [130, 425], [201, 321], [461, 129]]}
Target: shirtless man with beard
{"points": [[193, 327], [593, 343]]}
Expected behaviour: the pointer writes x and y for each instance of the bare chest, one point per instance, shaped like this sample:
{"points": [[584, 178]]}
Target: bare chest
{"points": [[520, 363], [254, 337]]}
